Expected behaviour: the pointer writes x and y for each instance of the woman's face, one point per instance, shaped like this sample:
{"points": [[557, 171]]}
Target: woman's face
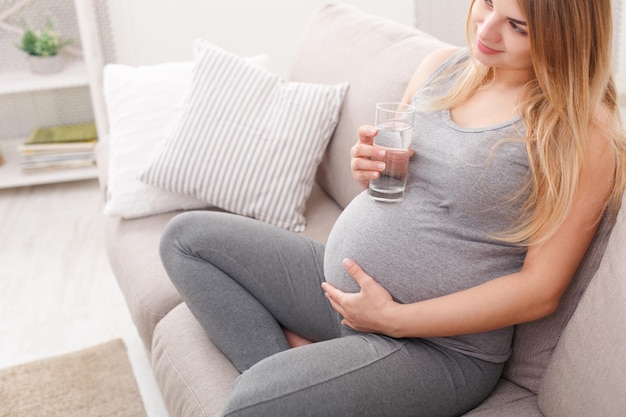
{"points": [[501, 39]]}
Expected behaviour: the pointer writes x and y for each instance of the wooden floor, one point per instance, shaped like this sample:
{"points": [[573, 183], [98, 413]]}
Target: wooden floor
{"points": [[57, 292]]}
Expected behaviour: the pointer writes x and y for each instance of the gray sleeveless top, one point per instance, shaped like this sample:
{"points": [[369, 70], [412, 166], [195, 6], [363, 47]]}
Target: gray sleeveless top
{"points": [[439, 240]]}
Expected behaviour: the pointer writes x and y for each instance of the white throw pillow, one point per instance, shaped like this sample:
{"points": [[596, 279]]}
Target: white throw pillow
{"points": [[144, 103], [247, 141]]}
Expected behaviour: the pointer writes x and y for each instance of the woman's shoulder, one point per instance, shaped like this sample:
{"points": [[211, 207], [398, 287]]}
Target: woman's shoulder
{"points": [[435, 59], [428, 66]]}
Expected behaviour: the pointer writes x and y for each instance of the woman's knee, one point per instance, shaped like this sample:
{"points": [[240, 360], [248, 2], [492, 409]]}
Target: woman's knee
{"points": [[189, 230], [174, 233], [183, 236]]}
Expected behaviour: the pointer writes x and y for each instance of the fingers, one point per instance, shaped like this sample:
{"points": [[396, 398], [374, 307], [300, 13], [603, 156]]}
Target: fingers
{"points": [[365, 169], [367, 134], [366, 159], [333, 295], [336, 298], [356, 272]]}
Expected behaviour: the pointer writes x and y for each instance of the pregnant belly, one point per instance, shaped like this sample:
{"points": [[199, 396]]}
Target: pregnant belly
{"points": [[374, 236], [405, 249]]}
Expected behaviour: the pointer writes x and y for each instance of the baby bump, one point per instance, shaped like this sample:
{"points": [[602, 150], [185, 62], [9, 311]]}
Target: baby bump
{"points": [[405, 250], [368, 237]]}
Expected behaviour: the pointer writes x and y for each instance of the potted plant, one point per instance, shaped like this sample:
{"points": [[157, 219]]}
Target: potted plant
{"points": [[43, 46]]}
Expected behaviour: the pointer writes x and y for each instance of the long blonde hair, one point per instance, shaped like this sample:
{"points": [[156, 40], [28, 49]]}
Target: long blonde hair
{"points": [[571, 47]]}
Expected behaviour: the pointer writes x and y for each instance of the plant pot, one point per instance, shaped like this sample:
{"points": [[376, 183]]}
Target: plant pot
{"points": [[45, 64]]}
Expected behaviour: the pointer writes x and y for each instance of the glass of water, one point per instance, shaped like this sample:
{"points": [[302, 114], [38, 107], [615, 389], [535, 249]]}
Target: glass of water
{"points": [[394, 122]]}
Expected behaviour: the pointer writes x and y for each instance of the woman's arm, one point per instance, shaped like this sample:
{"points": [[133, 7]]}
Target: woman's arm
{"points": [[532, 293]]}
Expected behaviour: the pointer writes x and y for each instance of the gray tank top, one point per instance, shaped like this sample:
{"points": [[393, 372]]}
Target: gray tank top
{"points": [[439, 240]]}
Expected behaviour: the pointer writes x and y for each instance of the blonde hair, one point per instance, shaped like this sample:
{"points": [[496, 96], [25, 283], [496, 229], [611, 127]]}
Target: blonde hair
{"points": [[571, 48]]}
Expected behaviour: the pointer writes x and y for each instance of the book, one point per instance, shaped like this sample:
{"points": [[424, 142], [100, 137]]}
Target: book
{"points": [[52, 166], [54, 157], [88, 145], [59, 147], [85, 132]]}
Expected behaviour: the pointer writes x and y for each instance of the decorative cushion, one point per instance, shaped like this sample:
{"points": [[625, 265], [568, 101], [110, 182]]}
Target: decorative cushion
{"points": [[534, 342], [587, 374], [140, 103], [248, 142], [143, 104]]}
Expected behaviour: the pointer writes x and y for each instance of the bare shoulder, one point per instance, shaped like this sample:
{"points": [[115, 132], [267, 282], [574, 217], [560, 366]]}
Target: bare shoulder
{"points": [[428, 65]]}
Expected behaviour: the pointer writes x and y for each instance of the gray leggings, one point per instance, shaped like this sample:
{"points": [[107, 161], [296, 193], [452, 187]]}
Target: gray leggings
{"points": [[243, 280]]}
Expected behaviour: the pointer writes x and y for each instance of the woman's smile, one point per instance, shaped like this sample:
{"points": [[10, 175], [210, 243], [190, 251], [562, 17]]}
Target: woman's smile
{"points": [[485, 49]]}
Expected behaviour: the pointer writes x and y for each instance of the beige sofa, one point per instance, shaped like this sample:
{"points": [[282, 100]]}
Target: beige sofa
{"points": [[560, 366]]}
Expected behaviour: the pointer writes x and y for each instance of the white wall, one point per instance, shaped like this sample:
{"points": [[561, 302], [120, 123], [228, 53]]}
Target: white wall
{"points": [[152, 31], [620, 76]]}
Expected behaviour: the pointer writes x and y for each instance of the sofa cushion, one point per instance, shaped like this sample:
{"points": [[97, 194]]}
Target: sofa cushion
{"points": [[321, 213], [377, 57], [247, 141], [587, 374], [534, 342], [507, 399], [193, 375], [133, 250]]}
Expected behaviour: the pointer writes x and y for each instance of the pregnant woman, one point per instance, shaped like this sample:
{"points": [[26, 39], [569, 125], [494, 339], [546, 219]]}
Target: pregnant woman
{"points": [[408, 310]]}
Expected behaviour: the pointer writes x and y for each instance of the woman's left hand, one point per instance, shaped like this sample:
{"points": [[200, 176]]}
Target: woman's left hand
{"points": [[370, 310]]}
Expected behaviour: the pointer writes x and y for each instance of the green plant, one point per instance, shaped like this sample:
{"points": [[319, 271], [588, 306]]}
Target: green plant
{"points": [[43, 42]]}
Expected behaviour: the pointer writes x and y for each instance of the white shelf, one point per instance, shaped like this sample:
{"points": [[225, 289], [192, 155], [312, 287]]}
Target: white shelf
{"points": [[73, 95], [11, 174], [74, 74]]}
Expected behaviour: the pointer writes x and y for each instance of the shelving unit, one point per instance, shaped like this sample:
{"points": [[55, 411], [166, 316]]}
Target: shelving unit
{"points": [[29, 101], [74, 74]]}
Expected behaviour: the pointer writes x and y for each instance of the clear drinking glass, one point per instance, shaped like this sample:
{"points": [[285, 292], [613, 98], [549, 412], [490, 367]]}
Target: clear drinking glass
{"points": [[395, 128]]}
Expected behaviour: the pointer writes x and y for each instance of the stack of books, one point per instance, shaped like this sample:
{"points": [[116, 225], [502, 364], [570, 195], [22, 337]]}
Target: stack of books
{"points": [[59, 147]]}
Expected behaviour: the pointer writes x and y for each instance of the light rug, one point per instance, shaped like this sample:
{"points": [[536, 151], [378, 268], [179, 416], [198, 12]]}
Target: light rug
{"points": [[97, 381]]}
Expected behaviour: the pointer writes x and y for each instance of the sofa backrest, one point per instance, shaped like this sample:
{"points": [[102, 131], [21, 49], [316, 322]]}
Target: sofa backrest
{"points": [[534, 342], [377, 57], [444, 20], [587, 373]]}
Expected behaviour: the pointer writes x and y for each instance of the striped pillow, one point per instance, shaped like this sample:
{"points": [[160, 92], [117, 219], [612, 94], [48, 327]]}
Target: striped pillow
{"points": [[247, 142]]}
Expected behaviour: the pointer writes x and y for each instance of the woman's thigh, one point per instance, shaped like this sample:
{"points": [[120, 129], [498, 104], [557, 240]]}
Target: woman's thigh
{"points": [[244, 279], [363, 375]]}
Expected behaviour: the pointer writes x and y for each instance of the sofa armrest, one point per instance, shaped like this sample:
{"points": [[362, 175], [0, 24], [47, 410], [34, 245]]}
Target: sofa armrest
{"points": [[102, 162]]}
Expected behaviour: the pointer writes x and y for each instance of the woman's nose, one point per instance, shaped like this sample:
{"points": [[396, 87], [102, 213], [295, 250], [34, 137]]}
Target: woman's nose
{"points": [[488, 29]]}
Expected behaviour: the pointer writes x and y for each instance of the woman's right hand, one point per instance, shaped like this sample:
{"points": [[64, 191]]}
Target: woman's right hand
{"points": [[366, 160]]}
